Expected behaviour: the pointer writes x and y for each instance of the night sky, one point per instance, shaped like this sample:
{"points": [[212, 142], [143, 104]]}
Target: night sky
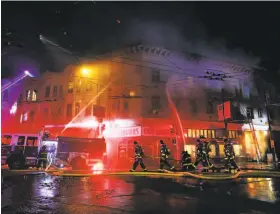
{"points": [[95, 27]]}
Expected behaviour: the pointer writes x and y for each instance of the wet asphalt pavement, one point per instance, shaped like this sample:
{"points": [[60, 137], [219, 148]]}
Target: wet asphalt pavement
{"points": [[129, 194]]}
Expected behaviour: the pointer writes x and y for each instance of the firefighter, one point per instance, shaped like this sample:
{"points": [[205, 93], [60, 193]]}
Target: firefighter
{"points": [[138, 157], [229, 156], [42, 157], [208, 163], [202, 154], [199, 151], [164, 152], [187, 161]]}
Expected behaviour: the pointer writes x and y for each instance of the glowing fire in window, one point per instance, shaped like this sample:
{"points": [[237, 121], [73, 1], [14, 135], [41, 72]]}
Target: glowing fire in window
{"points": [[34, 95], [13, 109], [132, 93]]}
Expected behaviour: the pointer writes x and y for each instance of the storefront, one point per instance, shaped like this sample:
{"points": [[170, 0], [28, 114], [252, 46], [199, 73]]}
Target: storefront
{"points": [[149, 132], [255, 141]]}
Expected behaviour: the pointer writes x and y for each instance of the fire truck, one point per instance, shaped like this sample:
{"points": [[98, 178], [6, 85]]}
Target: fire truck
{"points": [[20, 151]]}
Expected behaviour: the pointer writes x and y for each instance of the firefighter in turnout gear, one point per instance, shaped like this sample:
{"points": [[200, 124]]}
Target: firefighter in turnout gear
{"points": [[202, 154], [200, 151], [187, 161], [42, 157], [138, 157], [229, 156], [164, 152], [208, 164]]}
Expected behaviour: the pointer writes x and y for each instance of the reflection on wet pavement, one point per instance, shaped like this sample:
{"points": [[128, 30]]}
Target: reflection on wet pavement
{"points": [[125, 194]]}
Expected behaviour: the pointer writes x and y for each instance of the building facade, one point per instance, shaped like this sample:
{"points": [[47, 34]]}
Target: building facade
{"points": [[146, 94]]}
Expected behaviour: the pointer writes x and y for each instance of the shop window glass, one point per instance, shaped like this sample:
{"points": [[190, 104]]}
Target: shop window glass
{"points": [[21, 140], [213, 134], [32, 141], [189, 133], [205, 133]]}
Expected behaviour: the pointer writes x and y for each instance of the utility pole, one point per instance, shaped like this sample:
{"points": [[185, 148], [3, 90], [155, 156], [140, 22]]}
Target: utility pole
{"points": [[219, 77], [225, 120], [269, 128]]}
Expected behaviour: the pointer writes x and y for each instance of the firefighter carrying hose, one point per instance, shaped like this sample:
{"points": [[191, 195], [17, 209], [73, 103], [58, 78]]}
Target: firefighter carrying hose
{"points": [[138, 157], [164, 152], [42, 157], [229, 156], [187, 161]]}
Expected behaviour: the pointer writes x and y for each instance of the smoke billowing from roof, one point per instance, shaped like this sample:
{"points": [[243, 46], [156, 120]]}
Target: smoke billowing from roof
{"points": [[190, 37]]}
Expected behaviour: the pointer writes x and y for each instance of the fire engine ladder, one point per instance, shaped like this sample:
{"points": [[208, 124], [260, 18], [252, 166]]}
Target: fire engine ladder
{"points": [[259, 156]]}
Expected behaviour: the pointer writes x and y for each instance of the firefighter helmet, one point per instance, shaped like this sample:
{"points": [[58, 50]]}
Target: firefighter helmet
{"points": [[161, 142], [135, 142]]}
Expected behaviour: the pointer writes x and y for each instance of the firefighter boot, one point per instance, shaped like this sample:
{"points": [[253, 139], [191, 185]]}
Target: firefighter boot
{"points": [[132, 170]]}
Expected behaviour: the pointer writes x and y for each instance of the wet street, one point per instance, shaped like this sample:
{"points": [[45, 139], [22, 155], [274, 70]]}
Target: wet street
{"points": [[134, 194]]}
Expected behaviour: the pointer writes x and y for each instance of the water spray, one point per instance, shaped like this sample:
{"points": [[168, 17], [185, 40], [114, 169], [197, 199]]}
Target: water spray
{"points": [[174, 109], [10, 84], [83, 109], [47, 41]]}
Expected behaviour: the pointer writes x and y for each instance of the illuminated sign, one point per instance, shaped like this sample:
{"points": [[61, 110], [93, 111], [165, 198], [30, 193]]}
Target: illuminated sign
{"points": [[124, 132], [147, 131]]}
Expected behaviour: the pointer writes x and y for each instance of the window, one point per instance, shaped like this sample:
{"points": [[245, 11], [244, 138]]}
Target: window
{"points": [[32, 141], [250, 114], [246, 91], [189, 133], [23, 117], [125, 106], [155, 76], [34, 95], [271, 114], [197, 133], [70, 87], [28, 95], [260, 113], [20, 141], [209, 133], [60, 91], [210, 107], [193, 106], [77, 108], [5, 95], [232, 134], [213, 134], [6, 139], [156, 102], [205, 133], [267, 94], [55, 91], [69, 110], [47, 92]]}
